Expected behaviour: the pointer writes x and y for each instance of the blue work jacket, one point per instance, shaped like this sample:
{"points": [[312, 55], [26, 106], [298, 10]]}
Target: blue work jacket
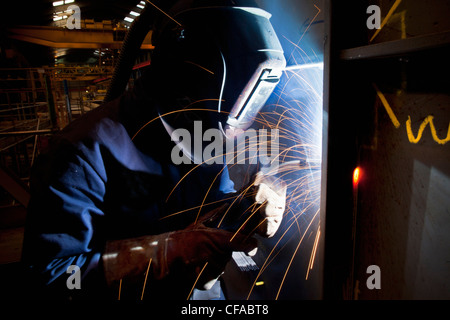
{"points": [[96, 183]]}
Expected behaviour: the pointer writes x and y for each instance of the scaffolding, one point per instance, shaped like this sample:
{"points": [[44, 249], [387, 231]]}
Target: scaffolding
{"points": [[36, 102]]}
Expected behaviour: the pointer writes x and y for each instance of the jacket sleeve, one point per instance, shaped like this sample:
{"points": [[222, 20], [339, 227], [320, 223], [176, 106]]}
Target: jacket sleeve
{"points": [[64, 217]]}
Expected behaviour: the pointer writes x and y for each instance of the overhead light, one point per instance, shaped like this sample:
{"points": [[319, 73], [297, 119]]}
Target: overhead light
{"points": [[142, 2], [140, 6], [133, 13], [128, 19], [60, 3], [57, 18]]}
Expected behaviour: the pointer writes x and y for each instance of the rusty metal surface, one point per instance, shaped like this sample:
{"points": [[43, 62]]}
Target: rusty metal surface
{"points": [[388, 114]]}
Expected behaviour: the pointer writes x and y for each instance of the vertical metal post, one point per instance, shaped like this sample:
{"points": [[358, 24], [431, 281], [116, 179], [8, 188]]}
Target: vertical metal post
{"points": [[50, 101], [33, 111], [68, 106]]}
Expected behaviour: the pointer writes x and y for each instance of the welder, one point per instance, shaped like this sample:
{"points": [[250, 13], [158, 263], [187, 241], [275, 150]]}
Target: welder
{"points": [[106, 196]]}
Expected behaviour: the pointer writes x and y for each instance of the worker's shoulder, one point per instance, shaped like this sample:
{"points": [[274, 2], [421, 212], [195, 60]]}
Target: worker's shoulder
{"points": [[99, 125], [84, 142]]}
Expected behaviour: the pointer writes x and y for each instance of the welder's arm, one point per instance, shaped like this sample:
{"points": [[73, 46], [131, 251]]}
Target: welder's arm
{"points": [[62, 217], [184, 253]]}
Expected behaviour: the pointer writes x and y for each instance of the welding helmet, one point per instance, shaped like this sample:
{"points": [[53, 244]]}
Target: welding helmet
{"points": [[216, 64]]}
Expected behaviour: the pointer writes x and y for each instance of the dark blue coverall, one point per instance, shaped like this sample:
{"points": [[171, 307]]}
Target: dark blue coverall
{"points": [[96, 184]]}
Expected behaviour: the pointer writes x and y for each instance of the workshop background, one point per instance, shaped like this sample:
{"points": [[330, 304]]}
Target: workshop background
{"points": [[359, 97]]}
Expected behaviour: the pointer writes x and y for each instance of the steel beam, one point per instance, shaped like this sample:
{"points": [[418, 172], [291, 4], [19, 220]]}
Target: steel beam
{"points": [[21, 133], [56, 37], [397, 47]]}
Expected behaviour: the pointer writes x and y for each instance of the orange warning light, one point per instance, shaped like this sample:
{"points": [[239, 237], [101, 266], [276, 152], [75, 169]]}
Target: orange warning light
{"points": [[356, 176]]}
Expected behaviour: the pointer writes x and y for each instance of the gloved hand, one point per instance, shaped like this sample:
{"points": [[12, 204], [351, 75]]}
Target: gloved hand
{"points": [[271, 195], [182, 252]]}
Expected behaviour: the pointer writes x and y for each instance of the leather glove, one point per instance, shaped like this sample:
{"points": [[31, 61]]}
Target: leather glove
{"points": [[183, 252], [271, 196]]}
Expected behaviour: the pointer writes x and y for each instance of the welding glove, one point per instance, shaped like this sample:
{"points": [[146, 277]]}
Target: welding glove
{"points": [[188, 252], [271, 197]]}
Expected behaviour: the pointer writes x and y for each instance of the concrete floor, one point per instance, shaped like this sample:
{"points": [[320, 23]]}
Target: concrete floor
{"points": [[11, 245]]}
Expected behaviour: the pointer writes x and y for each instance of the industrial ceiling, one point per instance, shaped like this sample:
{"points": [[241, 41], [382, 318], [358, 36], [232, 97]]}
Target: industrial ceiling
{"points": [[43, 13]]}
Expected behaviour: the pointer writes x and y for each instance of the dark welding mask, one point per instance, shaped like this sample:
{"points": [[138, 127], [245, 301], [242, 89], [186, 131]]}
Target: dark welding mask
{"points": [[218, 65]]}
